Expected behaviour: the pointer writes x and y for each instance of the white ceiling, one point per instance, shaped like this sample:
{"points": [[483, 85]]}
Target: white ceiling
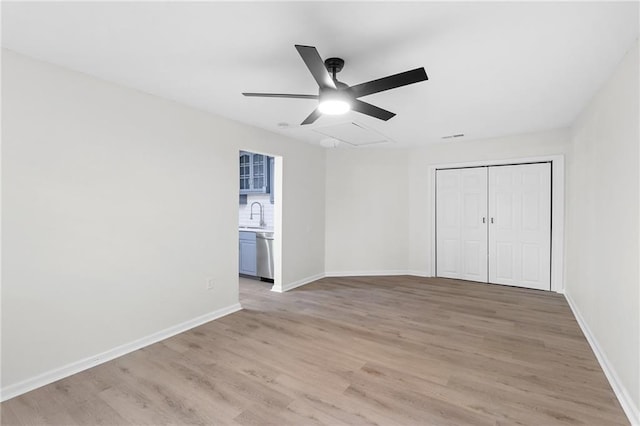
{"points": [[494, 68]]}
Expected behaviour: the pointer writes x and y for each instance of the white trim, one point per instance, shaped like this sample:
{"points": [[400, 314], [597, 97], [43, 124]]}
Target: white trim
{"points": [[422, 274], [630, 409], [278, 162], [391, 272], [51, 376], [557, 208], [316, 277], [307, 280], [298, 283]]}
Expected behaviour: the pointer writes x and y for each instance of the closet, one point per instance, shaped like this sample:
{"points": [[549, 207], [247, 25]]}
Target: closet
{"points": [[493, 224]]}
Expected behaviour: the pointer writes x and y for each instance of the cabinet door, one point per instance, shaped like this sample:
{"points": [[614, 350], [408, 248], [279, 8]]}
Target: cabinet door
{"points": [[461, 224], [254, 173], [248, 257], [520, 225], [271, 173], [245, 172], [259, 172]]}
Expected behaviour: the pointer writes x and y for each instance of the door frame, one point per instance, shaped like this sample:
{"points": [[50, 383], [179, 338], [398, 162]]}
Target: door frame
{"points": [[278, 171], [557, 208]]}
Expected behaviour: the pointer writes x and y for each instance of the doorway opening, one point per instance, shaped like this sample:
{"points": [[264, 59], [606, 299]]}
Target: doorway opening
{"points": [[260, 218]]}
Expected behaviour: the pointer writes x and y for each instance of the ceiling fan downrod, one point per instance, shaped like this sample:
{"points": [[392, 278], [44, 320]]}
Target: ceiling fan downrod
{"points": [[334, 66]]}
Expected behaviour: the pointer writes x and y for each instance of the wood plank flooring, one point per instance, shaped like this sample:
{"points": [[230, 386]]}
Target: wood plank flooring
{"points": [[351, 351]]}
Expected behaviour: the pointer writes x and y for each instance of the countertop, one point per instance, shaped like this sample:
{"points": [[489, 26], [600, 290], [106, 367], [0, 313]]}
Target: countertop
{"points": [[253, 229]]}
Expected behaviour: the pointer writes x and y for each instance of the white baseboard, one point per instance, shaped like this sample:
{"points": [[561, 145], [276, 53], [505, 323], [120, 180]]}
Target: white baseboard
{"points": [[316, 277], [393, 272], [390, 272], [51, 376], [627, 403], [421, 274], [297, 283]]}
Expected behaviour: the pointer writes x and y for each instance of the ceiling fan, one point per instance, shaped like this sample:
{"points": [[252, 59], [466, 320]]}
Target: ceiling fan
{"points": [[336, 97]]}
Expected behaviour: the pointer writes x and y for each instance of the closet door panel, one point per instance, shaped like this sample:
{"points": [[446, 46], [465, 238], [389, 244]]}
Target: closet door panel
{"points": [[448, 232], [520, 225], [461, 210], [474, 225], [475, 260]]}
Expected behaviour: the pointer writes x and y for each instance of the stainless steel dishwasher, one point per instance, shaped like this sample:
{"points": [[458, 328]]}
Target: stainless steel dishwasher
{"points": [[264, 254]]}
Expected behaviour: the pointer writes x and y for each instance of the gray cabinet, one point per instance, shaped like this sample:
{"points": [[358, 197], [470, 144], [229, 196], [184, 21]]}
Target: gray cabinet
{"points": [[247, 255], [254, 173], [271, 180]]}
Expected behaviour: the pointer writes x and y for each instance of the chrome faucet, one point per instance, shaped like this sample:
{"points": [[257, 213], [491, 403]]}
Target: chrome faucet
{"points": [[262, 222]]}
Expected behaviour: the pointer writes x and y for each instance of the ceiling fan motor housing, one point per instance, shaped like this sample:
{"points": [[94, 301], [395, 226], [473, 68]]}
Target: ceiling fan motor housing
{"points": [[340, 86]]}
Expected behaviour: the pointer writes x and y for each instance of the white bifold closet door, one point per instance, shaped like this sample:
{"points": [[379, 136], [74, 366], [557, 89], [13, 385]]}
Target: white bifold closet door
{"points": [[493, 224], [520, 225], [461, 217]]}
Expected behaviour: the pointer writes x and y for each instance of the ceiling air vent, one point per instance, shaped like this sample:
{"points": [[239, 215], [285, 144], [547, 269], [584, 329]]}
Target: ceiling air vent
{"points": [[353, 134]]}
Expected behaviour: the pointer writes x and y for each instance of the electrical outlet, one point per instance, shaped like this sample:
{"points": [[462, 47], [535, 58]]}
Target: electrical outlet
{"points": [[210, 284]]}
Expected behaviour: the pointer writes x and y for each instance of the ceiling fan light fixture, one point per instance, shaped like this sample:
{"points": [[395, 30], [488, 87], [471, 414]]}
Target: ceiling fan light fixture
{"points": [[334, 107], [334, 103]]}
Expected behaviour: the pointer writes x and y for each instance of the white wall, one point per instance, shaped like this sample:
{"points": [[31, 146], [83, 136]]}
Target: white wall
{"points": [[379, 210], [602, 260], [366, 211], [117, 207]]}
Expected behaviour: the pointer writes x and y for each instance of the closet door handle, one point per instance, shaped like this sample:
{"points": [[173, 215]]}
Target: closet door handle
{"points": [[484, 220], [492, 220]]}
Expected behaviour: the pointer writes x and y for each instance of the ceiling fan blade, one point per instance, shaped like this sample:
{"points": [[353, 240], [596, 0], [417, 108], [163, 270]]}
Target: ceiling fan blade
{"points": [[312, 117], [281, 95], [371, 110], [314, 62], [390, 82]]}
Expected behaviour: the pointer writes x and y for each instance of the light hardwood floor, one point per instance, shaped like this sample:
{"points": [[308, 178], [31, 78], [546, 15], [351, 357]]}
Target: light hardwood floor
{"points": [[381, 350]]}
